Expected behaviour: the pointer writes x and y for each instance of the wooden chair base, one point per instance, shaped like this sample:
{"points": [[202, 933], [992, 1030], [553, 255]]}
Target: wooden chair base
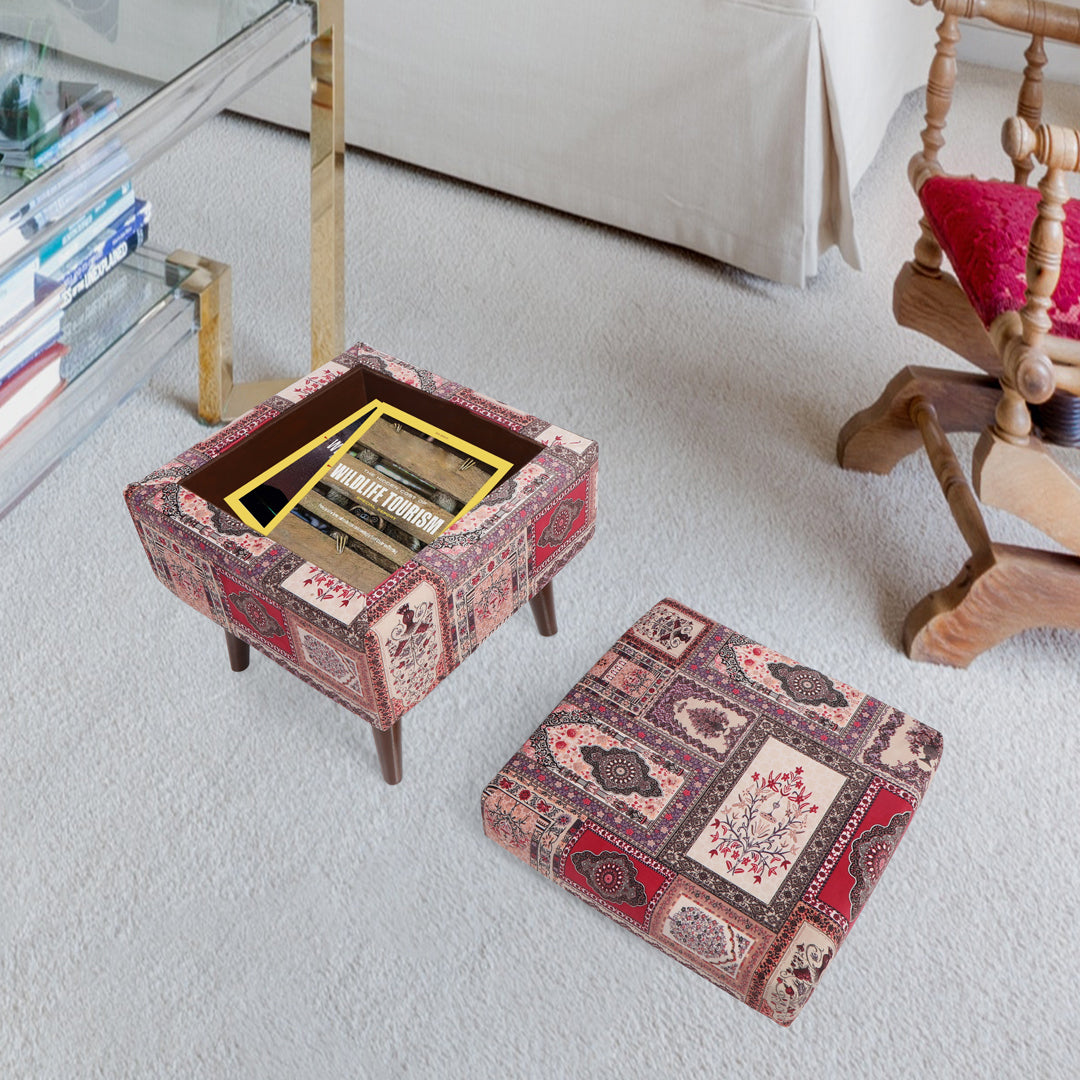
{"points": [[877, 438], [1002, 589], [1025, 480], [938, 308], [1003, 592], [388, 741]]}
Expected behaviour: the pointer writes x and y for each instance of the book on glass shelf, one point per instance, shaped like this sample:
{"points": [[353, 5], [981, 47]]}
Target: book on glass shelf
{"points": [[85, 229], [17, 290], [90, 265], [363, 497], [98, 113], [32, 329], [27, 391], [35, 110]]}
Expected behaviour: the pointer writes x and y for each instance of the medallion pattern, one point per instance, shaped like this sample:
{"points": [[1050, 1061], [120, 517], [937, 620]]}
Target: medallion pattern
{"points": [[256, 613], [552, 529], [627, 884], [803, 689], [607, 765]]}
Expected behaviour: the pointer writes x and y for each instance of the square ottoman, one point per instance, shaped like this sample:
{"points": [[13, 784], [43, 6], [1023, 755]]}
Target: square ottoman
{"points": [[377, 650], [732, 807]]}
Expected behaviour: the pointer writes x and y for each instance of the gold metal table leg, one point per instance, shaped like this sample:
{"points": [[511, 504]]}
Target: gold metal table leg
{"points": [[328, 184], [210, 282]]}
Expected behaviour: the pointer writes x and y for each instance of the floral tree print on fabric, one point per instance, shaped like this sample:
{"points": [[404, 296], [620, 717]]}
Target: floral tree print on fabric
{"points": [[708, 937], [411, 650], [925, 745], [761, 832], [796, 980]]}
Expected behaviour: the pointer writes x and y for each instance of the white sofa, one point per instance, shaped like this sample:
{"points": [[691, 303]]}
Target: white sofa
{"points": [[735, 128]]}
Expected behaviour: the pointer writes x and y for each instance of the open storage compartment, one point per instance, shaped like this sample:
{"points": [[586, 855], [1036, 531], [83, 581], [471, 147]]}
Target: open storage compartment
{"points": [[364, 512]]}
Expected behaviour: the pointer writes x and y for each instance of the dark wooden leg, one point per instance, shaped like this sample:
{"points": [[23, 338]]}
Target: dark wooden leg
{"points": [[543, 609], [239, 652], [388, 747]]}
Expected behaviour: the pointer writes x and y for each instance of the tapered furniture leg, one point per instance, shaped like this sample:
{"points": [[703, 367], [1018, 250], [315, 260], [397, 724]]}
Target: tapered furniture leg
{"points": [[388, 747], [239, 652], [543, 609]]}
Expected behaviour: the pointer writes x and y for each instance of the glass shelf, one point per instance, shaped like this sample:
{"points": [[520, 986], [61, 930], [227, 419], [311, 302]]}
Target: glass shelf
{"points": [[110, 356], [171, 66]]}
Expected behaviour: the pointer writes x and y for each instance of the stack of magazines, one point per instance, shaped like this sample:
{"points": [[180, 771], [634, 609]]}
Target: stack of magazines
{"points": [[41, 120]]}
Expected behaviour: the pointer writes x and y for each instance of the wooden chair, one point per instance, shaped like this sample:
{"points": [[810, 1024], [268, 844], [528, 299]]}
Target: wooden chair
{"points": [[1011, 306]]}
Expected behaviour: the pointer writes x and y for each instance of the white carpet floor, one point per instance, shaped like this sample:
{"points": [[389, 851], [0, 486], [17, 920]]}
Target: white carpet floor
{"points": [[203, 875]]}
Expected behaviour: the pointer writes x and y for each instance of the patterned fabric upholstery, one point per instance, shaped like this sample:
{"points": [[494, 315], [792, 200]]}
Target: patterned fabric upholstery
{"points": [[729, 805], [983, 227], [379, 653]]}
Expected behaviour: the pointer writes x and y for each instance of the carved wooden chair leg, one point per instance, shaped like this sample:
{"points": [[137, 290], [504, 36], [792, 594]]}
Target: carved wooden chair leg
{"points": [[239, 652], [997, 594], [543, 609], [1025, 480], [1001, 589], [876, 438], [388, 747]]}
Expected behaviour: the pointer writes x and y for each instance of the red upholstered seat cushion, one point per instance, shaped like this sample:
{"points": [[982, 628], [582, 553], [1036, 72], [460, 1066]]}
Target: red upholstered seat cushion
{"points": [[984, 227]]}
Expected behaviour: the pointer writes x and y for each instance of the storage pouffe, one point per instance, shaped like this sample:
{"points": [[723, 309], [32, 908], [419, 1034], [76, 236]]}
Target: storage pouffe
{"points": [[378, 651], [733, 807]]}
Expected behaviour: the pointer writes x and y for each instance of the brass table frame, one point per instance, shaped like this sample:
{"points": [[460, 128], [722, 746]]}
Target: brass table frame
{"points": [[210, 282]]}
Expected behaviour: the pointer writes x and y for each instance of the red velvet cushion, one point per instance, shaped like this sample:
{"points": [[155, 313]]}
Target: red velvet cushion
{"points": [[983, 227]]}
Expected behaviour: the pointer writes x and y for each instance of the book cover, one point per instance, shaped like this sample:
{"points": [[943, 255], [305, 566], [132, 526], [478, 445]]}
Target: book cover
{"points": [[88, 267], [26, 392], [85, 229], [264, 500]]}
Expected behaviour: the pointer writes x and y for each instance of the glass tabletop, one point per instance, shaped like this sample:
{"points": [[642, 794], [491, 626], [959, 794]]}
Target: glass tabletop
{"points": [[91, 89]]}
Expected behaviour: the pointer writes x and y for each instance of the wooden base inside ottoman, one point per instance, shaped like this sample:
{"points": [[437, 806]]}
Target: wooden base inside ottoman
{"points": [[733, 807]]}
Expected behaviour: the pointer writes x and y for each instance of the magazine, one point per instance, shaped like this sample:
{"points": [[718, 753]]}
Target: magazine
{"points": [[381, 484]]}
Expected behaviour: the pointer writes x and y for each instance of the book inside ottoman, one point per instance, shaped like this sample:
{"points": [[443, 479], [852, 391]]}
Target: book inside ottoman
{"points": [[733, 807], [362, 474]]}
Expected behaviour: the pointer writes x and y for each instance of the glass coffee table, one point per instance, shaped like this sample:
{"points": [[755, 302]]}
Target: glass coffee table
{"points": [[168, 66]]}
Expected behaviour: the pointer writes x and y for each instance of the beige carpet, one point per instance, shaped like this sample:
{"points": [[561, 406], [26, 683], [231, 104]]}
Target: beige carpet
{"points": [[201, 873]]}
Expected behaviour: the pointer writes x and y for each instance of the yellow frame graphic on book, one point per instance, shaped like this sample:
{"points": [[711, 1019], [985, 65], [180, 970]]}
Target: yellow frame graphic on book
{"points": [[262, 505]]}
